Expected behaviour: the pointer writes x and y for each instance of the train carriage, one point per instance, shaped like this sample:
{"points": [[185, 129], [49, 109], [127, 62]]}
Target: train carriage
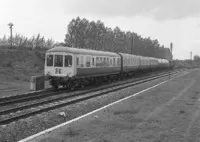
{"points": [[145, 63], [72, 66], [163, 63], [130, 62], [63, 63], [154, 63]]}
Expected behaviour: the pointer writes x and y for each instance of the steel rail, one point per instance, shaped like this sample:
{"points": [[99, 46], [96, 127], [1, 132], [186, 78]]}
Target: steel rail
{"points": [[43, 94], [124, 85]]}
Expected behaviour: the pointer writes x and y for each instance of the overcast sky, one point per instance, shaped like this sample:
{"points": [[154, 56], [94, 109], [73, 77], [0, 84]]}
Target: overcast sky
{"points": [[176, 21]]}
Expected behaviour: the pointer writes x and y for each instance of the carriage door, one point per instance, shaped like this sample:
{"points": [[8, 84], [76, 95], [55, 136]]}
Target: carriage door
{"points": [[69, 65]]}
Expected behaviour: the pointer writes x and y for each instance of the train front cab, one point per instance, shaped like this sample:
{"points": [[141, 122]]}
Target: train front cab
{"points": [[59, 66]]}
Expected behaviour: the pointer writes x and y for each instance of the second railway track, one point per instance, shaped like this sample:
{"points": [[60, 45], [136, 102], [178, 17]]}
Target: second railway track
{"points": [[23, 111]]}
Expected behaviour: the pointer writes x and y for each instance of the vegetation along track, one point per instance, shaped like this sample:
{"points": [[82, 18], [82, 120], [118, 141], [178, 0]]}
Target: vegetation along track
{"points": [[24, 111]]}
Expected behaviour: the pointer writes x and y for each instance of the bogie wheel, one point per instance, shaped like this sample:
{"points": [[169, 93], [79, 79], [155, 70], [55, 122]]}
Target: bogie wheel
{"points": [[82, 86], [54, 84]]}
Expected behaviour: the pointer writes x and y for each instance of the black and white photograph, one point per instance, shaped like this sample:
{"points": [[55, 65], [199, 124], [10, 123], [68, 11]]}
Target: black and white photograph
{"points": [[100, 71]]}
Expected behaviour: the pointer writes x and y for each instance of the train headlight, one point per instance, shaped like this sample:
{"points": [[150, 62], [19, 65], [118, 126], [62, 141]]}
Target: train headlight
{"points": [[48, 73], [69, 74]]}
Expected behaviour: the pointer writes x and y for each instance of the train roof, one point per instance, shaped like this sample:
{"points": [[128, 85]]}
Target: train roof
{"points": [[82, 51], [137, 56], [129, 55]]}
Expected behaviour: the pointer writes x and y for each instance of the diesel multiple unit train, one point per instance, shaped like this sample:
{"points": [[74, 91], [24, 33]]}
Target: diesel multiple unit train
{"points": [[67, 66]]}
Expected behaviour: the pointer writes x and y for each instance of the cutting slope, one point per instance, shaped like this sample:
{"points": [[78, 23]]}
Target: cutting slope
{"points": [[17, 66]]}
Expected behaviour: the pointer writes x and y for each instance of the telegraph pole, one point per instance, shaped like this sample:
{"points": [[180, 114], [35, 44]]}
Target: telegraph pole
{"points": [[10, 26], [171, 48], [191, 56], [132, 43]]}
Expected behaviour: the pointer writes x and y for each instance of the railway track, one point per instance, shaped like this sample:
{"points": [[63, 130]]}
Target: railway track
{"points": [[40, 94], [29, 109], [44, 94]]}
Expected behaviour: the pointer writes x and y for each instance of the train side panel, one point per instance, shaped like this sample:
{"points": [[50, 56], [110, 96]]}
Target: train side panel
{"points": [[97, 71], [130, 62], [95, 65]]}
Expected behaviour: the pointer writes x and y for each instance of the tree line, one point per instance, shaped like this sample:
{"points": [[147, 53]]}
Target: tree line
{"points": [[34, 42], [196, 58], [82, 33]]}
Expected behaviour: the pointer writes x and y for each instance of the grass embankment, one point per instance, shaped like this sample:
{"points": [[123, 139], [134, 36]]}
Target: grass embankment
{"points": [[17, 67]]}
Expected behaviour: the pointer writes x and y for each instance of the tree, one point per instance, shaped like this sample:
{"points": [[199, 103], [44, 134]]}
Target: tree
{"points": [[4, 41], [82, 33], [197, 58], [20, 41], [73, 36]]}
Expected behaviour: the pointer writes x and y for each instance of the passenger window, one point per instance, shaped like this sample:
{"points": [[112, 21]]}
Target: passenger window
{"points": [[110, 62], [104, 62], [101, 61], [77, 61], [81, 61], [87, 61], [49, 60], [58, 62], [97, 61], [93, 61], [107, 62], [68, 60], [114, 62], [118, 62], [131, 61]]}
